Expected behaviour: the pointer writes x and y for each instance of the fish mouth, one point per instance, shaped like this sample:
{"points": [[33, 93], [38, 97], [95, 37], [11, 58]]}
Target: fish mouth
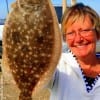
{"points": [[30, 1], [29, 6]]}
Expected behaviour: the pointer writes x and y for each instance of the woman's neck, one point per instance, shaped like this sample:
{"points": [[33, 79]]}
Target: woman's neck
{"points": [[90, 67]]}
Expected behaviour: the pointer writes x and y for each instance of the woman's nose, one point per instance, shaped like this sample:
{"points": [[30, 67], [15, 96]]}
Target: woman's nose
{"points": [[78, 37]]}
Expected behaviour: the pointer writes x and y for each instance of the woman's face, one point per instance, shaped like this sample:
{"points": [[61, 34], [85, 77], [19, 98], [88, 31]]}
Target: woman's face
{"points": [[81, 38]]}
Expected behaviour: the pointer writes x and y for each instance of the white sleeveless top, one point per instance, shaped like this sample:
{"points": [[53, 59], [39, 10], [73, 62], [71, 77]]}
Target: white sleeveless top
{"points": [[68, 82]]}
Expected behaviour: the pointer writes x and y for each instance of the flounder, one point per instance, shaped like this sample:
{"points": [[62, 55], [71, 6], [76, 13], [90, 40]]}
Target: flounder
{"points": [[31, 46]]}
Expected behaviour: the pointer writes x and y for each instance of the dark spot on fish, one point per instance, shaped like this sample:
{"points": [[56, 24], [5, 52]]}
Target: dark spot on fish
{"points": [[15, 37], [40, 39], [25, 48]]}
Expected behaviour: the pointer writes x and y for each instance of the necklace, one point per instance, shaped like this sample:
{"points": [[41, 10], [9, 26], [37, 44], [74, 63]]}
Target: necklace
{"points": [[89, 81]]}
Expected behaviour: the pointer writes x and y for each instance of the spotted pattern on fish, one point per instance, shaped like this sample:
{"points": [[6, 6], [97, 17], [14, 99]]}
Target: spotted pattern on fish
{"points": [[29, 43]]}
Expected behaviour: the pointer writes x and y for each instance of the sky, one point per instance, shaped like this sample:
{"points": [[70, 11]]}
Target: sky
{"points": [[92, 3], [3, 7]]}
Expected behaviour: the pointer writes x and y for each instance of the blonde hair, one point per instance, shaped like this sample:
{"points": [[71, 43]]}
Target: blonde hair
{"points": [[80, 11]]}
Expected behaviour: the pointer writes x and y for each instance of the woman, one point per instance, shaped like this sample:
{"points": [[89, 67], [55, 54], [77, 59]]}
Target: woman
{"points": [[78, 73]]}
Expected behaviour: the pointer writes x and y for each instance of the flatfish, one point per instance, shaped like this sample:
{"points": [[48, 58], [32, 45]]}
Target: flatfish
{"points": [[31, 46]]}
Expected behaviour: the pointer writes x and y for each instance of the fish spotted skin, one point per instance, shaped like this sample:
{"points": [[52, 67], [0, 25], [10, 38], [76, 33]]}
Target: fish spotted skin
{"points": [[29, 45]]}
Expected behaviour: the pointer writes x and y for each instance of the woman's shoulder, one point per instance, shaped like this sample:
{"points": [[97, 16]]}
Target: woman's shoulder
{"points": [[67, 57], [67, 61]]}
